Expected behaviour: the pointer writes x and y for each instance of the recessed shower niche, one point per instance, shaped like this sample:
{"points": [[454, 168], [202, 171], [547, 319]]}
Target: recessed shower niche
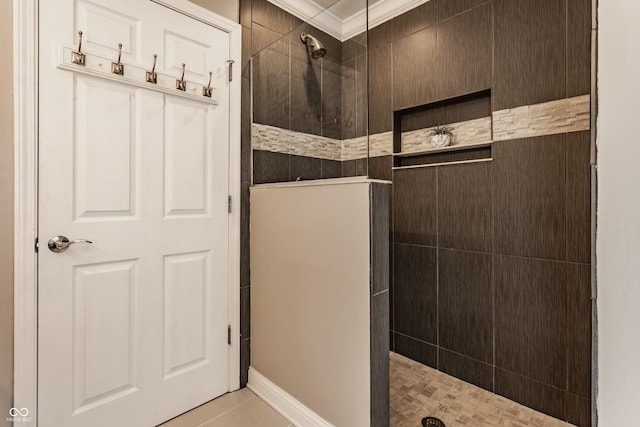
{"points": [[468, 116]]}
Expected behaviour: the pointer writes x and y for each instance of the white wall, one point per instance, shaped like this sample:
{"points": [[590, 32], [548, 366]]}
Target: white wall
{"points": [[618, 238]]}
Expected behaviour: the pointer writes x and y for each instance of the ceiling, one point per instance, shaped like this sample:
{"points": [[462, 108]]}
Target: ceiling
{"points": [[344, 19]]}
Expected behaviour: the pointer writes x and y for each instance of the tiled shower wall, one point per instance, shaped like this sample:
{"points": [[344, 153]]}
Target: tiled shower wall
{"points": [[491, 274], [325, 97], [491, 261]]}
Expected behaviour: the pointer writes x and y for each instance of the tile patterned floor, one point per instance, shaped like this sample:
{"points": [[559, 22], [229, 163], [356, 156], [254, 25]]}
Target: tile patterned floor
{"points": [[238, 409], [418, 391]]}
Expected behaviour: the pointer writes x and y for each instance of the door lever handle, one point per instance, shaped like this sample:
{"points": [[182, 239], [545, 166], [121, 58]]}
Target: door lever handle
{"points": [[59, 244]]}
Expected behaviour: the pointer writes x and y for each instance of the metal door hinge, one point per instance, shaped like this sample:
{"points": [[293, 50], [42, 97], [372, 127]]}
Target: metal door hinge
{"points": [[35, 246], [229, 204], [231, 62], [229, 334]]}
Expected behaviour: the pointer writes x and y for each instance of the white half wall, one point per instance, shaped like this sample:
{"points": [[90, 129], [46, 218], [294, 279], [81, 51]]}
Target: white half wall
{"points": [[310, 297], [618, 224]]}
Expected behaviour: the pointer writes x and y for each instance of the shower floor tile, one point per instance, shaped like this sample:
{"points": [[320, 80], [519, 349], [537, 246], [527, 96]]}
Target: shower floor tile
{"points": [[418, 391]]}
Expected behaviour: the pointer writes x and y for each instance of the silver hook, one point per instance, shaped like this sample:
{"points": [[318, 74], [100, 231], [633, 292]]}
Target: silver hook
{"points": [[152, 76], [78, 57], [118, 67], [181, 84], [207, 91]]}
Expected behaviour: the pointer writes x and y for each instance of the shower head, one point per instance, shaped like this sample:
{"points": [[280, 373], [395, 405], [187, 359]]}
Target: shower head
{"points": [[315, 46]]}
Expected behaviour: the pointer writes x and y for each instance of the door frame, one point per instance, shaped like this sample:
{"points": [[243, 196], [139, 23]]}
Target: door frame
{"points": [[25, 71]]}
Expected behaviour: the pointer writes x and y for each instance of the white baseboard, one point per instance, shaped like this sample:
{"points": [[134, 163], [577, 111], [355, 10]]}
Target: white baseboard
{"points": [[283, 402]]}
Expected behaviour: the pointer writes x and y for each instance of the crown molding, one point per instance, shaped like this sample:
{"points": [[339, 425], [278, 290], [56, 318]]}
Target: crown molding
{"points": [[310, 11], [343, 30]]}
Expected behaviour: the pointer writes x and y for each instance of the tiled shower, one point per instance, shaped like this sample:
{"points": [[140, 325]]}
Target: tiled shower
{"points": [[491, 245]]}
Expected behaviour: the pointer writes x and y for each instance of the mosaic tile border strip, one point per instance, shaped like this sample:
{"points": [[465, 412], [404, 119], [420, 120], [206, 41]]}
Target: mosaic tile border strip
{"points": [[380, 144], [464, 133], [548, 118], [271, 138], [561, 116]]}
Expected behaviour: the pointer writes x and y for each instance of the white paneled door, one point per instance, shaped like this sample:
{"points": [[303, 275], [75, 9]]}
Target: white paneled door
{"points": [[132, 327]]}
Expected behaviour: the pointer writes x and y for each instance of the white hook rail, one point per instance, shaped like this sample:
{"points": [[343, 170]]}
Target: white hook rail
{"points": [[134, 75]]}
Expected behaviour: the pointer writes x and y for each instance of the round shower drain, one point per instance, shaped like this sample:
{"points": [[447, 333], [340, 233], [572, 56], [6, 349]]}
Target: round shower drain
{"points": [[432, 422]]}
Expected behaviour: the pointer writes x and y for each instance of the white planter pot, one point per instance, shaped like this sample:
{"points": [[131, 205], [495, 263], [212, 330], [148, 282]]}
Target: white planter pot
{"points": [[442, 140]]}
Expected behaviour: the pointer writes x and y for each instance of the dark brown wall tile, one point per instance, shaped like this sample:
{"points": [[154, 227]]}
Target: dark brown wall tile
{"points": [[416, 19], [270, 167], [379, 237], [245, 13], [362, 167], [447, 157], [421, 118], [419, 351], [331, 99], [530, 46], [348, 168], [380, 35], [449, 8], [245, 361], [579, 329], [464, 53], [466, 369], [414, 69], [245, 261], [465, 319], [579, 197], [380, 360], [530, 318], [380, 167], [247, 50], [578, 47], [578, 410], [306, 91], [380, 82], [270, 16], [349, 98], [331, 168], [459, 110], [245, 130], [415, 292], [414, 206], [529, 214], [304, 168], [361, 98], [465, 207], [245, 312], [244, 213], [271, 83], [352, 48], [530, 393], [263, 37]]}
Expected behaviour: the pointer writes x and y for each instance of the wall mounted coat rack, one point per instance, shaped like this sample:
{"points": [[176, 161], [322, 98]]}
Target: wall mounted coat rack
{"points": [[134, 75]]}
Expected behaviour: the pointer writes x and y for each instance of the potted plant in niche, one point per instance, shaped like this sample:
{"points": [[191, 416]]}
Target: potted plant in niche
{"points": [[441, 136]]}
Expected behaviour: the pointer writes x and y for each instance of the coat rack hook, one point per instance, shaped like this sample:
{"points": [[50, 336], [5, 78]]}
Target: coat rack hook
{"points": [[152, 76], [118, 67], [208, 90], [78, 57], [181, 83]]}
